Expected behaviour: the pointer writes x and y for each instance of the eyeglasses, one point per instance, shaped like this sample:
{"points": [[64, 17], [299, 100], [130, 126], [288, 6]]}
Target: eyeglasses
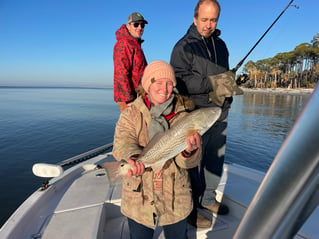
{"points": [[136, 24]]}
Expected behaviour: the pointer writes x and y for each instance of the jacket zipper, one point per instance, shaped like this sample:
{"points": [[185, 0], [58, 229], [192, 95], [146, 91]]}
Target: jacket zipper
{"points": [[208, 51]]}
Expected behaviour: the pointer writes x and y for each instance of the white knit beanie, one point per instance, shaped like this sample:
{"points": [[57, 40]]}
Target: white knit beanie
{"points": [[157, 70]]}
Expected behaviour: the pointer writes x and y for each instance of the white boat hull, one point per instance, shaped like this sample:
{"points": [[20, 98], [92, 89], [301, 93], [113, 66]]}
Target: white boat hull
{"points": [[82, 204]]}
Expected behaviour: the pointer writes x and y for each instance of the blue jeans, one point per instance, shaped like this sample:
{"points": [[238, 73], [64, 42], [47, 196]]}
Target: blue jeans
{"points": [[205, 178], [173, 231]]}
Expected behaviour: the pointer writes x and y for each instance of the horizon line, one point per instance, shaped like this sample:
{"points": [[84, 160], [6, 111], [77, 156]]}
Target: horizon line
{"points": [[39, 86]]}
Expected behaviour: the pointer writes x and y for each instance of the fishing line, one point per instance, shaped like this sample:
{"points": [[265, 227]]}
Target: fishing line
{"points": [[242, 61]]}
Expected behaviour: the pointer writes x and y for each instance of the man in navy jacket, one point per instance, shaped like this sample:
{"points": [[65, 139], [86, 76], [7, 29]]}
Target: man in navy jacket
{"points": [[196, 56]]}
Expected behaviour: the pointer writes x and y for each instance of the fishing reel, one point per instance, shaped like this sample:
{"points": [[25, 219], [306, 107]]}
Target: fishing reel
{"points": [[242, 79]]}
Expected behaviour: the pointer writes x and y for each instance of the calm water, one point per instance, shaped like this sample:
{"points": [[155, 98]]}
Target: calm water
{"points": [[258, 125], [53, 124]]}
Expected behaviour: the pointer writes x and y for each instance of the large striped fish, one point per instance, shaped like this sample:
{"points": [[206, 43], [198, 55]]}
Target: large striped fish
{"points": [[170, 143]]}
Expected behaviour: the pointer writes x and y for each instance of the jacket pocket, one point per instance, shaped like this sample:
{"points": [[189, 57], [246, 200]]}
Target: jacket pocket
{"points": [[181, 191], [132, 197], [132, 184]]}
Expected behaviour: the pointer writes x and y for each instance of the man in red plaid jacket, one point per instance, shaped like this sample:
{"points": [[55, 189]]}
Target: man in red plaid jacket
{"points": [[129, 60]]}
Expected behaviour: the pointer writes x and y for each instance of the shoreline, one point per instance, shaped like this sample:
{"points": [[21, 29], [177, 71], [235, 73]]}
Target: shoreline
{"points": [[299, 91]]}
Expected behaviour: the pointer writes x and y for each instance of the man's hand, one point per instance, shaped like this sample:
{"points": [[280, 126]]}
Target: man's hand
{"points": [[137, 168]]}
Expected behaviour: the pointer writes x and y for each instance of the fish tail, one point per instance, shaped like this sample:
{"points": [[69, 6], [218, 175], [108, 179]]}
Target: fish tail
{"points": [[112, 171]]}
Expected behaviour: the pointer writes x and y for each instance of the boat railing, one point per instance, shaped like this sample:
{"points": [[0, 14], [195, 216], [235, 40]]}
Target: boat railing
{"points": [[49, 171], [85, 156], [289, 191]]}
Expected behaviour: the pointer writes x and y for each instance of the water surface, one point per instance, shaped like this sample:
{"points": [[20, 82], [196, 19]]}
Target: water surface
{"points": [[53, 124]]}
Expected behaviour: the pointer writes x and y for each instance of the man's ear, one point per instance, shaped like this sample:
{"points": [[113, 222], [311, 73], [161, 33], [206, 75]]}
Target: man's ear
{"points": [[195, 21]]}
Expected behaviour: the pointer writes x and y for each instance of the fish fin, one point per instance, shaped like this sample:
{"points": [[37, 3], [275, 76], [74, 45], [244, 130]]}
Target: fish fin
{"points": [[112, 171], [156, 167], [191, 132]]}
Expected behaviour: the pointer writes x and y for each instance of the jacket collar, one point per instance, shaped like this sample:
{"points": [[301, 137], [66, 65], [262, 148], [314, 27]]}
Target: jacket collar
{"points": [[123, 33], [140, 104]]}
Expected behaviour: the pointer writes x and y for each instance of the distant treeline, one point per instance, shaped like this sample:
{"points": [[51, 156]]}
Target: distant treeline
{"points": [[295, 69]]}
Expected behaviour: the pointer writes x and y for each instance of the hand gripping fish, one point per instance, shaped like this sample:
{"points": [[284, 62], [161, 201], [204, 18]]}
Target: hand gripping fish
{"points": [[170, 143]]}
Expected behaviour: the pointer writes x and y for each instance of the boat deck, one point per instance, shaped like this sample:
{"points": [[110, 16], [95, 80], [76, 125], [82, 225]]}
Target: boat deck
{"points": [[77, 204], [89, 207]]}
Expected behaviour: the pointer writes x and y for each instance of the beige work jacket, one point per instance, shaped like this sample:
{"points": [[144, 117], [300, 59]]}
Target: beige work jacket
{"points": [[139, 202]]}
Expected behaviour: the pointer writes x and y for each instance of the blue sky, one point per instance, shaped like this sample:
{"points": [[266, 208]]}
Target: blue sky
{"points": [[70, 42]]}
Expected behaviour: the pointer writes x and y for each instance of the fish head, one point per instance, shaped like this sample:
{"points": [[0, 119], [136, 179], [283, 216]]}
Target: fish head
{"points": [[123, 168]]}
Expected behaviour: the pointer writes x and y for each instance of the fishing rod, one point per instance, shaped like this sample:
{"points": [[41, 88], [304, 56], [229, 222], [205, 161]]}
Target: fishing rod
{"points": [[224, 84], [242, 61]]}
